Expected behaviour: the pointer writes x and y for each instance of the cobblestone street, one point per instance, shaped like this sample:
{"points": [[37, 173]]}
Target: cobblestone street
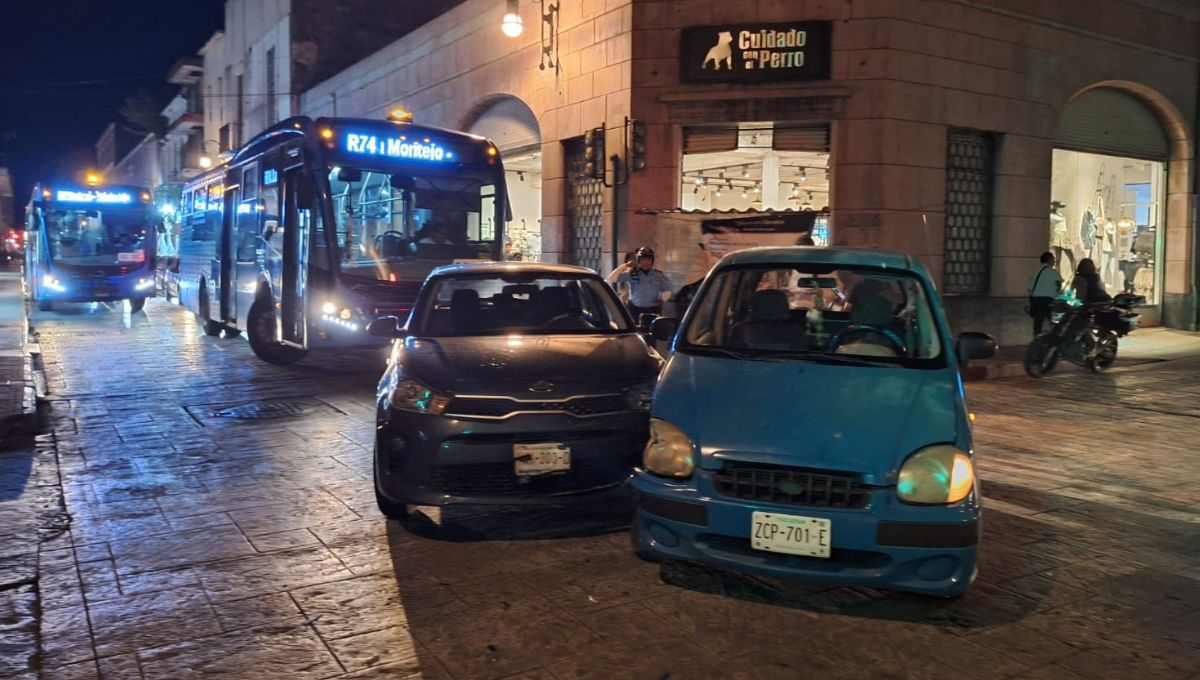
{"points": [[210, 539]]}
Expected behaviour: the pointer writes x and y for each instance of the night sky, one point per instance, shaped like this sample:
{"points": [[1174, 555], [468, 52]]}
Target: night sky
{"points": [[66, 66]]}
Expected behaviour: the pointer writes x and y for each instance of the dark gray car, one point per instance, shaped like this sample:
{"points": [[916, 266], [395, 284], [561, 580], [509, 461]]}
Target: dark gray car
{"points": [[512, 384]]}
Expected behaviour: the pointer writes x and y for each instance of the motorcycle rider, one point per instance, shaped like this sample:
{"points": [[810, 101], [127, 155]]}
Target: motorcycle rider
{"points": [[1089, 288]]}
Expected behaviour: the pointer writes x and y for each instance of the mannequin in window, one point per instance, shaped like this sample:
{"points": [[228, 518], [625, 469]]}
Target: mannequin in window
{"points": [[1060, 240]]}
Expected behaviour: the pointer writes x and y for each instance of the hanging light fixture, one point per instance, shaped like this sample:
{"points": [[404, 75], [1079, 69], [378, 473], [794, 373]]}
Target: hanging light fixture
{"points": [[745, 171], [795, 191], [512, 24], [718, 193], [803, 174], [745, 193]]}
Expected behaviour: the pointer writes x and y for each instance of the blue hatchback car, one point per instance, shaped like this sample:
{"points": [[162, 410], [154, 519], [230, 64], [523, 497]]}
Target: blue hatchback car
{"points": [[811, 424]]}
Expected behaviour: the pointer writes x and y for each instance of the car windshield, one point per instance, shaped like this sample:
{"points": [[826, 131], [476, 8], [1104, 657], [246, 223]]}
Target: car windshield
{"points": [[514, 304], [97, 238], [815, 313], [398, 227]]}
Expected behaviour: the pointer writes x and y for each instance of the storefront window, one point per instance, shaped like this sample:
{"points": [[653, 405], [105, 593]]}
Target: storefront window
{"points": [[755, 166], [1109, 209]]}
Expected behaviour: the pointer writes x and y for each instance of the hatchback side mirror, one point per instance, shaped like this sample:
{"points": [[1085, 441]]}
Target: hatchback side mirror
{"points": [[386, 327], [663, 328], [975, 346]]}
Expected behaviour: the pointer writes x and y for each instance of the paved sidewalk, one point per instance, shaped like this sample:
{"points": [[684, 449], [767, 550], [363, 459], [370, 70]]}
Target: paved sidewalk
{"points": [[30, 493], [1145, 345]]}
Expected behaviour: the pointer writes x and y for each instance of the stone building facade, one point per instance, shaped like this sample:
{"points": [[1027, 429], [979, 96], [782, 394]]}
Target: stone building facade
{"points": [[964, 132]]}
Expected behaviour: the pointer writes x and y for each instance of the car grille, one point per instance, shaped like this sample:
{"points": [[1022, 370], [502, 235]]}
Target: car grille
{"points": [[499, 408], [839, 558], [500, 479], [792, 486]]}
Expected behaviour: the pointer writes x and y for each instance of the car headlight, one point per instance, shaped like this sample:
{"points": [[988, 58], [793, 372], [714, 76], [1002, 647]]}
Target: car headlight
{"points": [[669, 452], [410, 395], [639, 397], [936, 475]]}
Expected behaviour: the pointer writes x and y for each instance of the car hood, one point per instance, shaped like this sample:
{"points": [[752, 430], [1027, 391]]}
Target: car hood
{"points": [[510, 364], [862, 419]]}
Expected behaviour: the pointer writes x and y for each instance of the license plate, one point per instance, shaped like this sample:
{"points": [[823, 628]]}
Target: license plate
{"points": [[791, 534], [540, 459]]}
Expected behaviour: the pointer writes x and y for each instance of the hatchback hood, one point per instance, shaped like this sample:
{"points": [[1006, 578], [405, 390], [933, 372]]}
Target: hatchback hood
{"points": [[861, 419], [510, 364]]}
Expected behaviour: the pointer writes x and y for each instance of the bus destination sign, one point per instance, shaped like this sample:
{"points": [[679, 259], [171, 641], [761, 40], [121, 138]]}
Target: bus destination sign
{"points": [[396, 147], [99, 197]]}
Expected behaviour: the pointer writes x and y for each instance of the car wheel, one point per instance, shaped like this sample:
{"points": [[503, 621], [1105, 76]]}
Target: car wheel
{"points": [[136, 305], [260, 329], [390, 509]]}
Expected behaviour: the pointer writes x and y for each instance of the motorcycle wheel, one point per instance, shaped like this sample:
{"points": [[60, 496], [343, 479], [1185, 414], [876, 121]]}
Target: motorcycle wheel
{"points": [[1041, 357], [1106, 353]]}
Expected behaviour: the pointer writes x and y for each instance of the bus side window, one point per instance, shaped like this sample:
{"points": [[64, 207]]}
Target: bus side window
{"points": [[247, 231]]}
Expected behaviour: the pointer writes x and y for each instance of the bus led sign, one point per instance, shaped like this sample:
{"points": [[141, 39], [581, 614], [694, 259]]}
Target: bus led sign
{"points": [[105, 197], [396, 147]]}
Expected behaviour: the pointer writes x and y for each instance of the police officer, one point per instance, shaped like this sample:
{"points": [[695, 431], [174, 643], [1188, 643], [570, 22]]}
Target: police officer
{"points": [[647, 285]]}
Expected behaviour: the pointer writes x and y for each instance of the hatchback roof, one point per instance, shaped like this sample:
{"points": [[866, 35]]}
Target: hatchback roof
{"points": [[511, 268], [871, 257]]}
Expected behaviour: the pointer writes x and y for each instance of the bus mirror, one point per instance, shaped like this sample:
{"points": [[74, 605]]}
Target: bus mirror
{"points": [[349, 175], [386, 327]]}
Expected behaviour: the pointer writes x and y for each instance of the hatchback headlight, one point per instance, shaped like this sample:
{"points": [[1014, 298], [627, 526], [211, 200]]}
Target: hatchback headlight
{"points": [[669, 452], [936, 475], [410, 395]]}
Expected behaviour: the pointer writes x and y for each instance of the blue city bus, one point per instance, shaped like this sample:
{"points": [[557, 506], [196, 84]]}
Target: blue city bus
{"points": [[94, 243], [324, 225]]}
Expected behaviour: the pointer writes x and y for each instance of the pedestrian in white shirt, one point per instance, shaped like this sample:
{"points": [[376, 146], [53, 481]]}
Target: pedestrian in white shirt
{"points": [[1044, 286]]}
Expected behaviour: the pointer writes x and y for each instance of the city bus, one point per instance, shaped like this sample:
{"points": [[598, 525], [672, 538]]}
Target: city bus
{"points": [[326, 224], [93, 243]]}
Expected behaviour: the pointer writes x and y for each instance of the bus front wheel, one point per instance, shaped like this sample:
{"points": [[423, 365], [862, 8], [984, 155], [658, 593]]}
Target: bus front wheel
{"points": [[136, 305], [260, 329]]}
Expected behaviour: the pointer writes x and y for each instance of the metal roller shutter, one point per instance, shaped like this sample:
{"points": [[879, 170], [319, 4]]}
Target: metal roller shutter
{"points": [[801, 138], [709, 139], [1111, 122]]}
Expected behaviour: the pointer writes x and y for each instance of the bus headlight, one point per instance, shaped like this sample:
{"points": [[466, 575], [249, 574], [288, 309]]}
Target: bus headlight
{"points": [[144, 283], [329, 308], [53, 284], [669, 452], [936, 475]]}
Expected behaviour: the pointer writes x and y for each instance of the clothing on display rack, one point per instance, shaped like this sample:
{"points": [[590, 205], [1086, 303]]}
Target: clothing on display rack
{"points": [[1060, 239]]}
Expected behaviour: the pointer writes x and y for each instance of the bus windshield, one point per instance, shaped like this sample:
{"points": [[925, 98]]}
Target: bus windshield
{"points": [[90, 238], [397, 226]]}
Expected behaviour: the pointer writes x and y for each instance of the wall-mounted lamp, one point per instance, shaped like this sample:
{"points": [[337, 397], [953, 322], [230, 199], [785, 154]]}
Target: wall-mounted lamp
{"points": [[206, 161], [550, 37], [512, 24]]}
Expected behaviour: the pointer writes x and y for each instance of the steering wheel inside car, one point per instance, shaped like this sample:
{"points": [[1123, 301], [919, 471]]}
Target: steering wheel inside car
{"points": [[859, 330]]}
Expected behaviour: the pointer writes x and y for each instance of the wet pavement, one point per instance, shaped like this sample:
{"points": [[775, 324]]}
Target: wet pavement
{"points": [[223, 523]]}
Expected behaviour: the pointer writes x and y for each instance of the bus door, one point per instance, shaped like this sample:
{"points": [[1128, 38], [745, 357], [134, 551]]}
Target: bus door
{"points": [[293, 291], [247, 228], [221, 281]]}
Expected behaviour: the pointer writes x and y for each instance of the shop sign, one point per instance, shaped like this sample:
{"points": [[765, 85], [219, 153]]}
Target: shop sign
{"points": [[756, 52]]}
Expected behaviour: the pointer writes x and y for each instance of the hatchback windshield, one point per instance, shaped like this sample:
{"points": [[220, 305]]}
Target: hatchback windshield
{"points": [[526, 305], [815, 312]]}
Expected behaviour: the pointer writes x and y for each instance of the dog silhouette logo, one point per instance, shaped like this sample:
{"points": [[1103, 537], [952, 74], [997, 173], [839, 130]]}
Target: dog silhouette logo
{"points": [[722, 51]]}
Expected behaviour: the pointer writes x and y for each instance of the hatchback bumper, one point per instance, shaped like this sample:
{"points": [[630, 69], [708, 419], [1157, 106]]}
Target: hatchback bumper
{"points": [[934, 556], [436, 460]]}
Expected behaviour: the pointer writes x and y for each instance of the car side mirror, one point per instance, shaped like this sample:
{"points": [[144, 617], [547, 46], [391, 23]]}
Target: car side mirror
{"points": [[975, 346], [386, 327], [663, 328]]}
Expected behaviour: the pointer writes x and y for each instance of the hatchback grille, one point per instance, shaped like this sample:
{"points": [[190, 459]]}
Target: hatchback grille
{"points": [[502, 407], [500, 479], [791, 486]]}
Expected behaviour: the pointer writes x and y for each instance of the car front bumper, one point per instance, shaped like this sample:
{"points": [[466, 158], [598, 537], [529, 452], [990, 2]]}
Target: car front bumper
{"points": [[437, 460], [934, 556]]}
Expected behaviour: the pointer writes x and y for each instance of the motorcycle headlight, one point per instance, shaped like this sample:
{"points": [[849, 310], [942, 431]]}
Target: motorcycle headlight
{"points": [[410, 395], [639, 397], [936, 475], [669, 452]]}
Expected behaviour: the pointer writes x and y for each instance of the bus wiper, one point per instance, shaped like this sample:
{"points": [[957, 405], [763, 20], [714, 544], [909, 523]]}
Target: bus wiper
{"points": [[722, 351]]}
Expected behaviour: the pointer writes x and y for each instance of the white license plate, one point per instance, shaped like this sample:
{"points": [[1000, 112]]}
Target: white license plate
{"points": [[540, 459], [791, 534]]}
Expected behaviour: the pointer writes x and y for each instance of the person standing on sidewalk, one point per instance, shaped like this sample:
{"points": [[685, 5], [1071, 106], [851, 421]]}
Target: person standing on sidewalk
{"points": [[648, 287], [1044, 286]]}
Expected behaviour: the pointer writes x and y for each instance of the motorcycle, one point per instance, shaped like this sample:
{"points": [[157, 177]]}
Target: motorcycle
{"points": [[1085, 335]]}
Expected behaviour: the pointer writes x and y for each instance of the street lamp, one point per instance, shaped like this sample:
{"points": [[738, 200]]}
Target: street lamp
{"points": [[512, 24], [206, 161]]}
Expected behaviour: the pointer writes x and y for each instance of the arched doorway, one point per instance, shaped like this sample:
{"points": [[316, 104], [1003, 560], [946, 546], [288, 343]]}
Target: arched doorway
{"points": [[513, 127], [1108, 183]]}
